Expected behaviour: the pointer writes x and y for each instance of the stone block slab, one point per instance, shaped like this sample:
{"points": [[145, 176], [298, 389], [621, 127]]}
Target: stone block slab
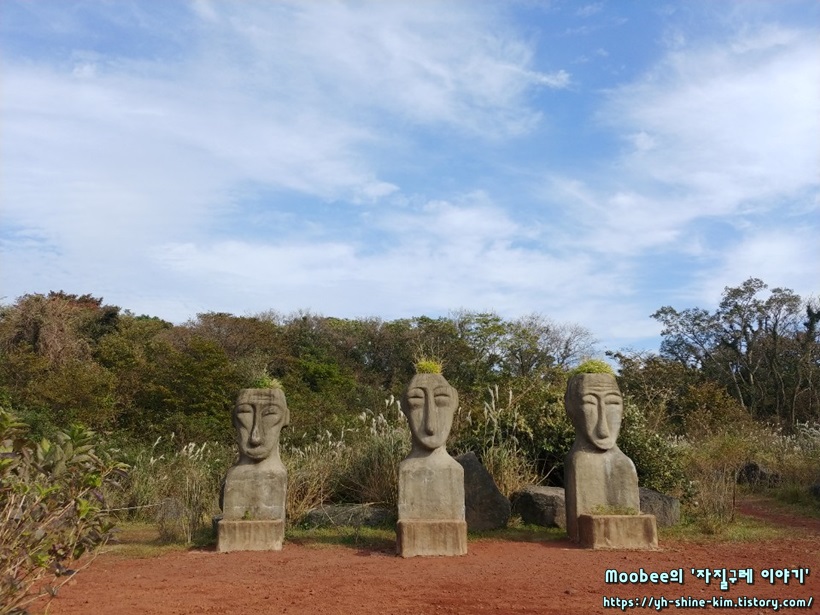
{"points": [[256, 535], [617, 531], [486, 508], [543, 506], [426, 538], [665, 508]]}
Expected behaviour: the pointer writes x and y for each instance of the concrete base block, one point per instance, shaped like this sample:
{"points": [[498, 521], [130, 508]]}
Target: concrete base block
{"points": [[618, 531], [422, 537], [263, 535]]}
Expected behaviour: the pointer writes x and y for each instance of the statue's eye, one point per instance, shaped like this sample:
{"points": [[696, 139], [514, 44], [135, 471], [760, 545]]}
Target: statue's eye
{"points": [[244, 409], [442, 399], [270, 410], [415, 396], [614, 400]]}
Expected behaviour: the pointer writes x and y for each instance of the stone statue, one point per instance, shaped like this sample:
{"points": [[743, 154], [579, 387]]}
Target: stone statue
{"points": [[598, 477], [253, 497], [431, 482]]}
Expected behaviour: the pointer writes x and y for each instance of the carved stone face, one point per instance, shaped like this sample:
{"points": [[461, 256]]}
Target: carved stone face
{"points": [[429, 404], [596, 407], [258, 417]]}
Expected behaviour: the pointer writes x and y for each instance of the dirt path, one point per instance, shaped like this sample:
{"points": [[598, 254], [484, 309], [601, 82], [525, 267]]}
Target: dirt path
{"points": [[762, 508], [494, 577]]}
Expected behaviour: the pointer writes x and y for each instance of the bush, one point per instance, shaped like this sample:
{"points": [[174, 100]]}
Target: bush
{"points": [[790, 464], [713, 464], [657, 458], [52, 509], [372, 472], [501, 437], [177, 487], [314, 472]]}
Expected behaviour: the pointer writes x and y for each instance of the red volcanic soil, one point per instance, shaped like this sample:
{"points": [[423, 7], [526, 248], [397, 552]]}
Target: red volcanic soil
{"points": [[494, 577]]}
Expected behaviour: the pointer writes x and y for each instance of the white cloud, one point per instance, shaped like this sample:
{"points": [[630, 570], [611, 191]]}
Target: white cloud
{"points": [[714, 132], [784, 257], [430, 64], [368, 159], [588, 10], [733, 123]]}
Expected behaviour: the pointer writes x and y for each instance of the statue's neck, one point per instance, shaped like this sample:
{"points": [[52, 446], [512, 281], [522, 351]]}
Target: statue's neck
{"points": [[419, 452]]}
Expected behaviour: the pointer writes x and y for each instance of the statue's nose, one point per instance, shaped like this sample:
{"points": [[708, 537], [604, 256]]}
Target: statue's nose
{"points": [[255, 438], [602, 428], [430, 417]]}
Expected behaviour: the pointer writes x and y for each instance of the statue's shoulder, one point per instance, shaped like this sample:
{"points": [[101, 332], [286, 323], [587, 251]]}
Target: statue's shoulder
{"points": [[620, 459]]}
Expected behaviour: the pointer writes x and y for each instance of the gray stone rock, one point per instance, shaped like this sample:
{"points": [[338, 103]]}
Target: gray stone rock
{"points": [[485, 506], [757, 476], [354, 515], [541, 506], [665, 508]]}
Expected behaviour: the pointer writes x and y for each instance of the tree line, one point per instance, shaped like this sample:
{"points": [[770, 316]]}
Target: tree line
{"points": [[67, 359]]}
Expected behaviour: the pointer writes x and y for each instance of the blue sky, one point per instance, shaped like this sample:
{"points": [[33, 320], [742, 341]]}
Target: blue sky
{"points": [[590, 162]]}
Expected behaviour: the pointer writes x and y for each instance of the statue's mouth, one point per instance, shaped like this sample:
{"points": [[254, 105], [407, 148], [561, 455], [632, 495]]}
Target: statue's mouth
{"points": [[256, 452]]}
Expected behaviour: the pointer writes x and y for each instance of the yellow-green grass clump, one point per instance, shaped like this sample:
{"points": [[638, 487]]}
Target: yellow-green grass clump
{"points": [[266, 382], [428, 366], [592, 366]]}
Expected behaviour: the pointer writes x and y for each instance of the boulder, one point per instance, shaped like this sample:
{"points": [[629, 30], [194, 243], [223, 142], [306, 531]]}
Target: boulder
{"points": [[355, 515], [665, 508], [486, 508], [541, 506], [757, 476]]}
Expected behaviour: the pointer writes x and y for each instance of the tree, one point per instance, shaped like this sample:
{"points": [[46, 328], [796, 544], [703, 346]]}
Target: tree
{"points": [[757, 347], [656, 384], [534, 343]]}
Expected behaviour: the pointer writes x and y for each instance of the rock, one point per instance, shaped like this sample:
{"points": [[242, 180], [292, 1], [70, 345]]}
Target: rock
{"points": [[665, 508], [541, 506], [757, 476], [355, 515], [485, 506]]}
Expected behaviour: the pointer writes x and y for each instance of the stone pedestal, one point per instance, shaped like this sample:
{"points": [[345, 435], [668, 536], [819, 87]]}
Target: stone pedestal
{"points": [[264, 535], [431, 507], [420, 537], [617, 532]]}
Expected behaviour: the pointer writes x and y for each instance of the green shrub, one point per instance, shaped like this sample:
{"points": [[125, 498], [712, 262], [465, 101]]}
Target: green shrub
{"points": [[51, 507], [658, 459]]}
